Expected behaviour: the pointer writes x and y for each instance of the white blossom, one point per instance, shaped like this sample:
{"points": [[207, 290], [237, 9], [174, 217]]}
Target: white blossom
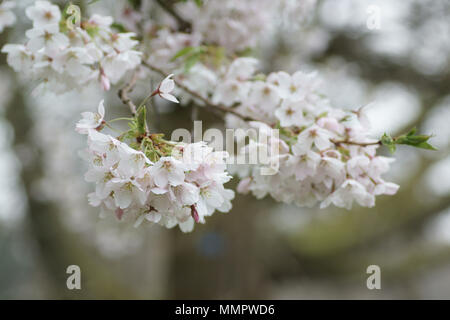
{"points": [[348, 192], [291, 113], [181, 188], [63, 59], [91, 120], [43, 13], [7, 17], [313, 135], [165, 89]]}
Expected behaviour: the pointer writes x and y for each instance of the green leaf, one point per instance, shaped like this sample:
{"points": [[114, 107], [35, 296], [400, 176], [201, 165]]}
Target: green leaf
{"points": [[136, 4], [426, 145], [191, 61], [418, 141], [388, 141], [412, 132], [119, 27], [410, 139], [187, 51], [199, 3], [247, 52], [141, 120], [344, 151]]}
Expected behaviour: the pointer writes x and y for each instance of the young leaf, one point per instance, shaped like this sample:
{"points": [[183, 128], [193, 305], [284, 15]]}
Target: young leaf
{"points": [[410, 139], [387, 141], [418, 141], [199, 3], [141, 120], [119, 27], [187, 51], [425, 145], [191, 61]]}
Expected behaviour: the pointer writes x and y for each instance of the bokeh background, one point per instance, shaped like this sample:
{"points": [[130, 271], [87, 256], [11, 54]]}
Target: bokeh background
{"points": [[261, 249]]}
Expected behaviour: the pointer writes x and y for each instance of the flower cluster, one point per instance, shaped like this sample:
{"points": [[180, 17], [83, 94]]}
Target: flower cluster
{"points": [[7, 17], [323, 154], [180, 187], [240, 25], [235, 25], [63, 56]]}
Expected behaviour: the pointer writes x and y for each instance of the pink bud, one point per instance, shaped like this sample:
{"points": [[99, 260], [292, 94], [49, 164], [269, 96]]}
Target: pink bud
{"points": [[194, 213], [244, 186], [119, 213], [331, 124], [104, 81]]}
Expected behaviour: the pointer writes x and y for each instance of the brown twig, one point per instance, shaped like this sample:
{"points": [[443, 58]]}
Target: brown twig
{"points": [[183, 25], [123, 93], [224, 109], [198, 96], [362, 144]]}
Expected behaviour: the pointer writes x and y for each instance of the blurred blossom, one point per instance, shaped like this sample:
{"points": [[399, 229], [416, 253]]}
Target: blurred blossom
{"points": [[437, 123], [343, 84], [437, 177], [12, 197], [394, 108], [439, 228], [288, 35], [115, 242]]}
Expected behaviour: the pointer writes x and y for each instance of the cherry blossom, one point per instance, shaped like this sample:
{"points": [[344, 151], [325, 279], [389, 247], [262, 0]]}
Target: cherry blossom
{"points": [[7, 17], [43, 13], [165, 89], [64, 59], [181, 188], [91, 120], [314, 154]]}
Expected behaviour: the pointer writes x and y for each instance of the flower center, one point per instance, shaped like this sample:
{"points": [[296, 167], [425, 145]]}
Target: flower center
{"points": [[289, 112], [48, 15], [47, 36]]}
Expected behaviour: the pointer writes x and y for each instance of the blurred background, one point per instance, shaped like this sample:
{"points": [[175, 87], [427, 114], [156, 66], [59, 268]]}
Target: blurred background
{"points": [[261, 249]]}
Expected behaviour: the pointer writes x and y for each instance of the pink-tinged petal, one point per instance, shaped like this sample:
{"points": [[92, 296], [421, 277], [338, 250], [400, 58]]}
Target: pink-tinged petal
{"points": [[160, 179], [167, 85], [93, 199], [104, 82], [187, 226], [140, 195], [244, 185], [391, 188], [159, 190], [123, 198], [176, 177], [322, 142], [302, 146], [101, 108], [139, 221], [169, 97]]}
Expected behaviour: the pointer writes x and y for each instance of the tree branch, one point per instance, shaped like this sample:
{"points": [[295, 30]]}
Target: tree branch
{"points": [[123, 93], [224, 109], [183, 25], [362, 144], [206, 101]]}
